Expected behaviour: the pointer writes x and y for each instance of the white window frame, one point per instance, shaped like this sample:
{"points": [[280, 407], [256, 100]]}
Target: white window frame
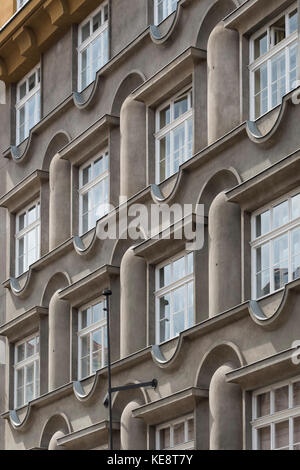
{"points": [[28, 228], [21, 102], [187, 445], [160, 292], [88, 332], [255, 64], [83, 189], [269, 237], [88, 42], [274, 417], [171, 127], [21, 4], [168, 9], [34, 359]]}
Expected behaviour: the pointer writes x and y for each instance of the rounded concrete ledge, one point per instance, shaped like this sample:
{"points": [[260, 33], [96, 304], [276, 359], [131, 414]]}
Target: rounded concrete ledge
{"points": [[159, 358], [15, 420], [255, 134], [155, 31], [14, 150], [78, 98], [80, 247], [157, 195], [81, 394], [15, 286], [280, 315]]}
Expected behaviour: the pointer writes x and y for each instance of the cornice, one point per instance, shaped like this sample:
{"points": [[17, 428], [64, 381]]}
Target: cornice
{"points": [[24, 191], [168, 407], [17, 326], [84, 289], [90, 140]]}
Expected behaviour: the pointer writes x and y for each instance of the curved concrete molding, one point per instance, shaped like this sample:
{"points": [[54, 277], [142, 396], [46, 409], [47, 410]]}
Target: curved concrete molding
{"points": [[79, 392], [281, 313], [79, 101], [157, 195], [80, 247], [254, 133], [15, 151], [16, 287], [159, 358], [15, 420], [155, 33]]}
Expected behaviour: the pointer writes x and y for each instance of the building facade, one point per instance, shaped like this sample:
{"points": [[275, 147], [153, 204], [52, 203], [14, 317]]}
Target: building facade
{"points": [[140, 104]]}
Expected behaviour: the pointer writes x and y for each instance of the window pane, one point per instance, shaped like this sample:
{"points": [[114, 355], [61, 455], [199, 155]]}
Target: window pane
{"points": [[165, 276], [85, 367], [296, 394], [30, 345], [164, 117], [281, 399], [98, 313], [261, 45], [32, 215], [264, 438], [261, 90], [280, 256], [278, 67], [263, 284], [85, 346], [164, 305], [85, 32], [86, 318], [293, 22], [21, 352], [86, 175], [178, 269], [296, 206], [31, 82], [97, 21], [180, 107], [179, 136], [263, 405], [22, 90], [178, 310], [263, 224], [282, 435], [296, 436], [191, 316], [164, 156], [281, 214], [20, 397], [263, 258], [98, 167], [278, 31], [20, 378], [179, 434], [293, 60]]}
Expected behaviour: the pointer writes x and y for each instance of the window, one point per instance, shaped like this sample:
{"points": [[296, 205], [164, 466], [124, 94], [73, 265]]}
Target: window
{"points": [[174, 297], [276, 417], [178, 435], [92, 46], [27, 237], [174, 135], [21, 3], [28, 104], [93, 192], [163, 8], [274, 62], [276, 246], [27, 373], [92, 337]]}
